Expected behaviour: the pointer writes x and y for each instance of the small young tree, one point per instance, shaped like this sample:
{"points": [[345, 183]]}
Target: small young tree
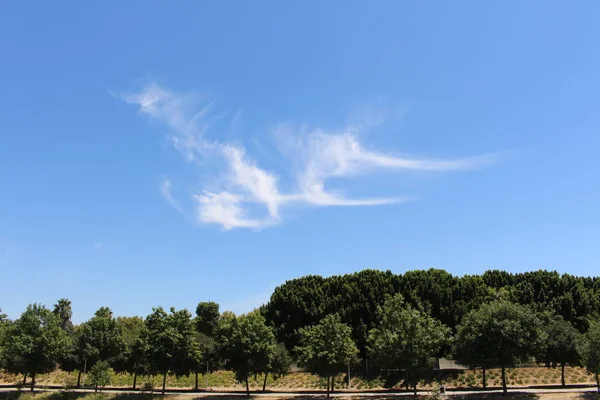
{"points": [[591, 351], [562, 344], [407, 339], [34, 343], [249, 347], [209, 359], [500, 333], [327, 348], [279, 364], [100, 375]]}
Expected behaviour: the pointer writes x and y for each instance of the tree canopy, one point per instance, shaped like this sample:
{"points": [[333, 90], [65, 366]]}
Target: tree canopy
{"points": [[248, 345], [327, 347], [407, 339], [171, 342], [499, 333], [562, 344], [34, 343], [591, 351]]}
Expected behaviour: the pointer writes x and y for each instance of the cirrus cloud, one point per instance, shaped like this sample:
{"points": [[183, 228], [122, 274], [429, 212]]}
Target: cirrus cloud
{"points": [[242, 194]]}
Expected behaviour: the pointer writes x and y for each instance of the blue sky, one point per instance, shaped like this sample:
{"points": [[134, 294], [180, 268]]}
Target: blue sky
{"points": [[164, 154]]}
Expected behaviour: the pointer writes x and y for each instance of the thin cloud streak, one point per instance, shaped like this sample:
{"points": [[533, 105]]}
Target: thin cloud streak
{"points": [[165, 190], [244, 195]]}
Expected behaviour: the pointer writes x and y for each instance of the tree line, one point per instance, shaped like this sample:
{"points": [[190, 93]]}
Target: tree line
{"points": [[397, 323]]}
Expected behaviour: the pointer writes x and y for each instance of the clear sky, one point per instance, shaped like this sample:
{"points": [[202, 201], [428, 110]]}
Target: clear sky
{"points": [[166, 153]]}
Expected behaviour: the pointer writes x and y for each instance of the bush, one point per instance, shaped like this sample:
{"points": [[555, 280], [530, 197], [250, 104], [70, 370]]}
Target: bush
{"points": [[148, 386], [100, 374]]}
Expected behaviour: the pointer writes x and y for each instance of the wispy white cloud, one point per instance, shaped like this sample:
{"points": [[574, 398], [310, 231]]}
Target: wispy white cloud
{"points": [[244, 195], [165, 190]]}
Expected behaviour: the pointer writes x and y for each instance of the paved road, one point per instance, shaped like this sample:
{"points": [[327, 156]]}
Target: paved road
{"points": [[591, 389]]}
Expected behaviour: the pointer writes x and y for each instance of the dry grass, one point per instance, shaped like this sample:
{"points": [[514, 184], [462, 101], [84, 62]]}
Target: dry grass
{"points": [[66, 395], [224, 380]]}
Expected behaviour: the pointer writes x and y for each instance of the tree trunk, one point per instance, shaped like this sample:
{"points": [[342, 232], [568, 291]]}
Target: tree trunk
{"points": [[332, 383], [79, 379], [484, 381], [562, 374], [95, 388], [328, 385], [415, 390], [32, 381], [164, 382], [265, 382], [196, 384], [24, 378], [504, 390], [247, 387], [134, 379]]}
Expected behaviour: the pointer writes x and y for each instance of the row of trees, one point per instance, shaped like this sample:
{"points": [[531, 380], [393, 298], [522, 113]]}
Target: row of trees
{"points": [[406, 339], [355, 297], [399, 323], [164, 342]]}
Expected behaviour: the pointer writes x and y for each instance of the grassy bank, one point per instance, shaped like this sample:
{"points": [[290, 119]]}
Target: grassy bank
{"points": [[224, 380], [141, 396]]}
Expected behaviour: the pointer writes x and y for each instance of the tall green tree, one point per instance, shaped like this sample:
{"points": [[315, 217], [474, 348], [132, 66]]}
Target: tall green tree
{"points": [[98, 339], [206, 321], [591, 351], [247, 345], [133, 359], [562, 345], [327, 347], [502, 334], [407, 339], [171, 342], [34, 343]]}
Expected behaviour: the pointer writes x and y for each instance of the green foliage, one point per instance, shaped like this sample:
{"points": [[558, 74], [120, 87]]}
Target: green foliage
{"points": [[99, 375], [355, 297], [281, 362], [327, 347], [247, 344], [207, 317], [562, 344], [170, 342], [34, 343], [134, 358], [499, 333], [99, 339], [64, 312], [407, 339], [591, 351]]}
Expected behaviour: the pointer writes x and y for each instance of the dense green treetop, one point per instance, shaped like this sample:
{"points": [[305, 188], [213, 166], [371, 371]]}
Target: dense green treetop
{"points": [[499, 334], [406, 339], [34, 343], [247, 344], [327, 347], [355, 297], [207, 317]]}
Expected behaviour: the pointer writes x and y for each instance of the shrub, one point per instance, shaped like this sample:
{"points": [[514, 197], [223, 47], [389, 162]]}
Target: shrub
{"points": [[148, 386], [100, 374]]}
